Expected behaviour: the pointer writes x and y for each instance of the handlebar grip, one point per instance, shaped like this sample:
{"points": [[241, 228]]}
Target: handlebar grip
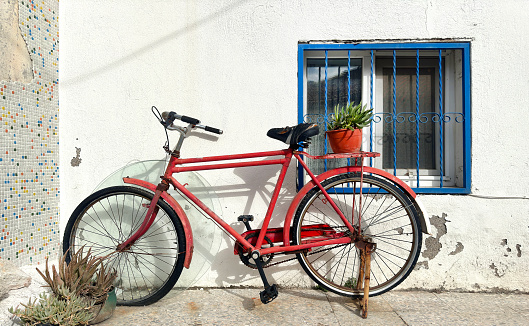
{"points": [[190, 120], [213, 130]]}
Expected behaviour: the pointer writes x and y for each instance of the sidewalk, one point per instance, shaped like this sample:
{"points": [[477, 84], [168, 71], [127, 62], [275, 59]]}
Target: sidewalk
{"points": [[312, 307]]}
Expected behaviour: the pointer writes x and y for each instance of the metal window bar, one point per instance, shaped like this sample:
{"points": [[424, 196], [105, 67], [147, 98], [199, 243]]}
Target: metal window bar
{"points": [[441, 120], [394, 118], [415, 117], [371, 81], [417, 102]]}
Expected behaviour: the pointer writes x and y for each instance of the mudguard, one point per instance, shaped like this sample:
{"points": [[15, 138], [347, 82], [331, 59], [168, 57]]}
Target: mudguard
{"points": [[179, 212], [425, 226]]}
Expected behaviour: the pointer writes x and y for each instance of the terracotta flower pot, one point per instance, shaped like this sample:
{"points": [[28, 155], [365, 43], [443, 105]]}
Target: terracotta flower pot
{"points": [[345, 140]]}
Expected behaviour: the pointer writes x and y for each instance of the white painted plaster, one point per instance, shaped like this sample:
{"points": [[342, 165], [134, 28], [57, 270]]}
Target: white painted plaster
{"points": [[233, 64]]}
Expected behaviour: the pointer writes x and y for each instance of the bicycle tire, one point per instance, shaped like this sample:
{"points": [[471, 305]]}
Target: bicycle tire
{"points": [[389, 218], [150, 268]]}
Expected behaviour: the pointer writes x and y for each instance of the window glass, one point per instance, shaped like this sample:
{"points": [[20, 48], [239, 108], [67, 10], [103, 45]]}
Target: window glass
{"points": [[405, 104]]}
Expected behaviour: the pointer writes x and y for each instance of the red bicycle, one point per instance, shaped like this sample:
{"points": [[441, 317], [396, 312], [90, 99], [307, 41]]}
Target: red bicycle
{"points": [[354, 229]]}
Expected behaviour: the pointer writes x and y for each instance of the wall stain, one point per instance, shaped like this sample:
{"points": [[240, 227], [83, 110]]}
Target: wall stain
{"points": [[77, 159], [422, 264], [497, 272], [519, 250], [459, 248]]}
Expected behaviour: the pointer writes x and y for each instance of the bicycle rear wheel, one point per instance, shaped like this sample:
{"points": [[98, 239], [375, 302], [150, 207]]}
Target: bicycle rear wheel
{"points": [[150, 268], [389, 218]]}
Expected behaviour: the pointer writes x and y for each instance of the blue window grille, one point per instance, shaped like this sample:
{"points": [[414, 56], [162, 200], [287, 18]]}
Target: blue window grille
{"points": [[420, 94]]}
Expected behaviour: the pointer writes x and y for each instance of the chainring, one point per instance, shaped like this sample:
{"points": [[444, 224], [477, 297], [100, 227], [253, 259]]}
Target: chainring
{"points": [[245, 256]]}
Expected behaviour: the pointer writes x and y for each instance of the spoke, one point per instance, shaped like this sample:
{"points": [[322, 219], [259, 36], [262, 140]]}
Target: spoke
{"points": [[157, 256], [365, 205], [111, 216], [136, 223], [128, 264], [346, 263], [396, 234], [96, 233], [325, 262], [101, 225], [145, 280], [336, 271], [393, 211], [389, 253], [389, 230]]}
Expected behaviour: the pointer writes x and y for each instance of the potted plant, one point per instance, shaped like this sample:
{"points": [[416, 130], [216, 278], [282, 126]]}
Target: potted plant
{"points": [[344, 130], [82, 293]]}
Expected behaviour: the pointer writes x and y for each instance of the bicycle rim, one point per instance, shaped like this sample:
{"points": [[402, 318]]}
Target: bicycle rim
{"points": [[388, 217]]}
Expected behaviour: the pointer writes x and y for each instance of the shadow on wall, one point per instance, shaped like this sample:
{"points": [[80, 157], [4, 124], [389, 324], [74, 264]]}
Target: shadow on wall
{"points": [[156, 43], [214, 249]]}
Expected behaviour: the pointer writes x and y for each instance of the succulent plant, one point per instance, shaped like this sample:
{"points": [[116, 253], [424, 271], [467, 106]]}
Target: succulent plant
{"points": [[85, 276], [78, 290], [69, 310], [350, 117]]}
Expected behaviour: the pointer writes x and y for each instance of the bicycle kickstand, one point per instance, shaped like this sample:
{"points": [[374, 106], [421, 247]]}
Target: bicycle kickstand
{"points": [[365, 272], [270, 292]]}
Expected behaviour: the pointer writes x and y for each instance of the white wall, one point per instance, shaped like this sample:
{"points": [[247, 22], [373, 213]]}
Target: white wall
{"points": [[233, 64]]}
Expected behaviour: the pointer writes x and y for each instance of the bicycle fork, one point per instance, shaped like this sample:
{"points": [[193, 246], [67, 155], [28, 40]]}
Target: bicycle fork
{"points": [[149, 218]]}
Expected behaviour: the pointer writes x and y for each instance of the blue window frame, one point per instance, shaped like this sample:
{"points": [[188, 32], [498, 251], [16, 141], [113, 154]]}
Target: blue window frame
{"points": [[420, 93]]}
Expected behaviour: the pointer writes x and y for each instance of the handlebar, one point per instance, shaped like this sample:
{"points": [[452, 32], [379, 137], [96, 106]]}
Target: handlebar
{"points": [[169, 117]]}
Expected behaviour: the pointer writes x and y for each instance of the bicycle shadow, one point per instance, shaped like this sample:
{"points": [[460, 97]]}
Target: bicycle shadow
{"points": [[255, 186], [256, 189], [291, 297]]}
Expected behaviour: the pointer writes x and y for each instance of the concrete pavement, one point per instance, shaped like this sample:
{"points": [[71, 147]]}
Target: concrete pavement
{"points": [[231, 306]]}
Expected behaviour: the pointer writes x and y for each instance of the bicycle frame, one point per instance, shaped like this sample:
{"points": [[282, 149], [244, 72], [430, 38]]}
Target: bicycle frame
{"points": [[175, 166]]}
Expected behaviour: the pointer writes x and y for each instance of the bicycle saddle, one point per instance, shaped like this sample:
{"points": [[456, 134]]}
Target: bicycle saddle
{"points": [[293, 135]]}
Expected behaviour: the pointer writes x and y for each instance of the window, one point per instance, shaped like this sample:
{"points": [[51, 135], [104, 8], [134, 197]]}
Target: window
{"points": [[420, 94]]}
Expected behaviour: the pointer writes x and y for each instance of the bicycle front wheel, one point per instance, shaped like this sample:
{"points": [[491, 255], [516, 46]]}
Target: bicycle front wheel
{"points": [[150, 268], [388, 217]]}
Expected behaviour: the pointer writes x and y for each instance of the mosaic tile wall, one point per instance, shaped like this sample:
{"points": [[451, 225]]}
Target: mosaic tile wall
{"points": [[29, 144]]}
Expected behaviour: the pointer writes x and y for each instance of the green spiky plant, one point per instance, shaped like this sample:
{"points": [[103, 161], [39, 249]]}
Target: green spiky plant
{"points": [[350, 117], [76, 288], [49, 309], [85, 276]]}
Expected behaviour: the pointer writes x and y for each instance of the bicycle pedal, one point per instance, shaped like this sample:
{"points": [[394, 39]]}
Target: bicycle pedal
{"points": [[269, 294]]}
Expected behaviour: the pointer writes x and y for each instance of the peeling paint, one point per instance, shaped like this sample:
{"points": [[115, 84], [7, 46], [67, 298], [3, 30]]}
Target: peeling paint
{"points": [[15, 61], [77, 159], [459, 248], [499, 271], [422, 264], [432, 244], [503, 242]]}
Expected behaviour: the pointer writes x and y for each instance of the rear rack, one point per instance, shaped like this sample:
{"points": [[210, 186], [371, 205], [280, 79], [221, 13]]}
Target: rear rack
{"points": [[340, 155]]}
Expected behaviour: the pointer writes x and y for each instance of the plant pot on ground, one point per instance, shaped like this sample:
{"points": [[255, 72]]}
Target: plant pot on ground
{"points": [[344, 130], [81, 293]]}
